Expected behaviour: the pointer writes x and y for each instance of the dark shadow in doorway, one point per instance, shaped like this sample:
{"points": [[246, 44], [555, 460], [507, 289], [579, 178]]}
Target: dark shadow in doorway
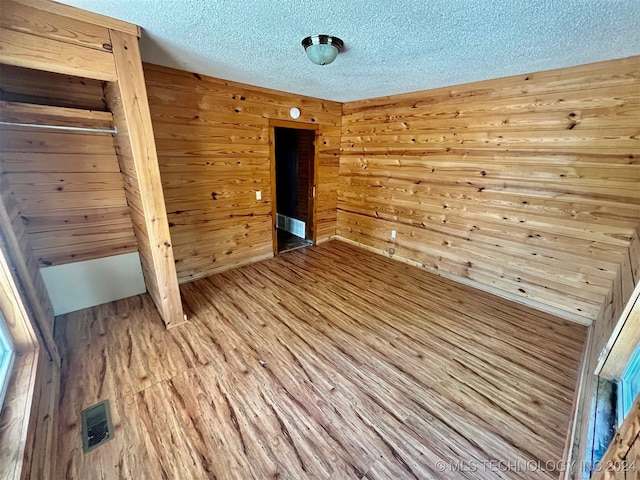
{"points": [[288, 241]]}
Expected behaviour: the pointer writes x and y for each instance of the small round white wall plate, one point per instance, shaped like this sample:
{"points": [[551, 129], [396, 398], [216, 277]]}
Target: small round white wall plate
{"points": [[294, 112]]}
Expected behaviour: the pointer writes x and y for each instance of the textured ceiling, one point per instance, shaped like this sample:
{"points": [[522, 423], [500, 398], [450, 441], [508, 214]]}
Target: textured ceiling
{"points": [[392, 46]]}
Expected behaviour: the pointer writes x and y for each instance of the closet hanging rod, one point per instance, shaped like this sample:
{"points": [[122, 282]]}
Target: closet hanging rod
{"points": [[112, 131]]}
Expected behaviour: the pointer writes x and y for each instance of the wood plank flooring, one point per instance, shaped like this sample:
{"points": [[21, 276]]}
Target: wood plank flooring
{"points": [[328, 362]]}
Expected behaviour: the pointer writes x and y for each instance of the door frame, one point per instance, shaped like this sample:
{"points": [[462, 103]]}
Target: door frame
{"points": [[313, 183]]}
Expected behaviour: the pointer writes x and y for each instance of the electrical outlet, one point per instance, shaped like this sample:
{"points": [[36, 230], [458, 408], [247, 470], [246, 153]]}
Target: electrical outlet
{"points": [[258, 195], [393, 234]]}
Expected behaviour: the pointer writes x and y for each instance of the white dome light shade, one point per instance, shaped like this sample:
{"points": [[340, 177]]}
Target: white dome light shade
{"points": [[322, 49], [322, 54]]}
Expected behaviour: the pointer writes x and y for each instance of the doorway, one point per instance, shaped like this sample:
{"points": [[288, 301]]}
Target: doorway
{"points": [[294, 154]]}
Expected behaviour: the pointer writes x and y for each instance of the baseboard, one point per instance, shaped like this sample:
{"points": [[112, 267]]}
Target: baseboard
{"points": [[477, 285], [320, 241], [224, 268]]}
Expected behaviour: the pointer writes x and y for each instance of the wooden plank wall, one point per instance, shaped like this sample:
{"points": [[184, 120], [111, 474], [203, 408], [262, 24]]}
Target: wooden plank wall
{"points": [[627, 278], [526, 186], [67, 185], [621, 461], [26, 85], [54, 42], [212, 138], [20, 253], [602, 334]]}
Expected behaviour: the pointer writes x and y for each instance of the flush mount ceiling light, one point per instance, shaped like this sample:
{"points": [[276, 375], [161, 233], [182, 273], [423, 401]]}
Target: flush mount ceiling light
{"points": [[322, 49]]}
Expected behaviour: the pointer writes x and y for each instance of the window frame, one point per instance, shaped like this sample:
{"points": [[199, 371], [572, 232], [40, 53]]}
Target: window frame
{"points": [[7, 358], [629, 385]]}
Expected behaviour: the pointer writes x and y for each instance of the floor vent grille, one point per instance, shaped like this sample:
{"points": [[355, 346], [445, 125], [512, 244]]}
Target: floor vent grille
{"points": [[96, 426]]}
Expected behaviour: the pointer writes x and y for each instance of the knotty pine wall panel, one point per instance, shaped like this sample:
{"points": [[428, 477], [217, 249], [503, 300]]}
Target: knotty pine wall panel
{"points": [[70, 194], [602, 333], [622, 458], [32, 37], [212, 138], [18, 242], [26, 85], [67, 185], [528, 186]]}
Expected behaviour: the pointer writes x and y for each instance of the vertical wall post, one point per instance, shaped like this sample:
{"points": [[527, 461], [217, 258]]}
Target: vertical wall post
{"points": [[139, 164]]}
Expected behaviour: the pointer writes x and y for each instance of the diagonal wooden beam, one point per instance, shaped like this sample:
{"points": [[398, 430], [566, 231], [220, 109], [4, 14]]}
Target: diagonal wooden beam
{"points": [[136, 149]]}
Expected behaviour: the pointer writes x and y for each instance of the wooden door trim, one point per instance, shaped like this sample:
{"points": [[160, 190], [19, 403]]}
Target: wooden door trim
{"points": [[274, 206], [273, 123], [294, 125], [314, 186]]}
